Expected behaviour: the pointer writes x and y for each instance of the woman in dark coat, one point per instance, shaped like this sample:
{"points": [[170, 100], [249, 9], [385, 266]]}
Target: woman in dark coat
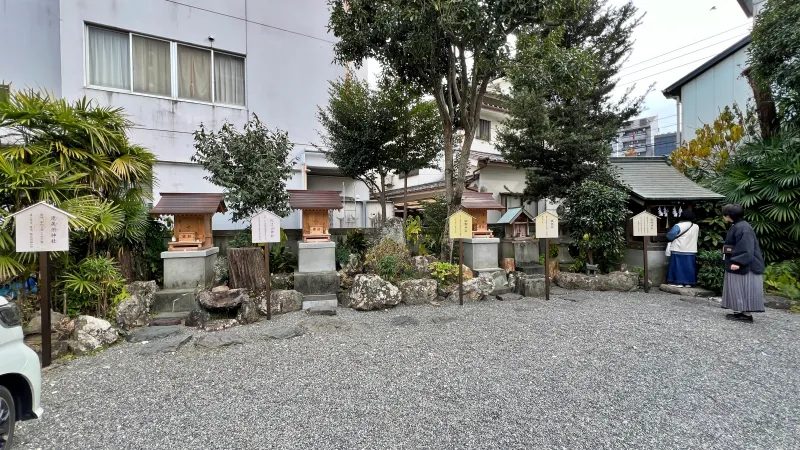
{"points": [[743, 291]]}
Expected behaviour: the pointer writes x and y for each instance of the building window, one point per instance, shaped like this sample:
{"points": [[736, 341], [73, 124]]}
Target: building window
{"points": [[145, 65], [484, 130]]}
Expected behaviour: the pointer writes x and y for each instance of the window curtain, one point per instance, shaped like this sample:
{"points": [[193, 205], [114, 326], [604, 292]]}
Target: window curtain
{"points": [[109, 64], [228, 79], [194, 73], [151, 66]]}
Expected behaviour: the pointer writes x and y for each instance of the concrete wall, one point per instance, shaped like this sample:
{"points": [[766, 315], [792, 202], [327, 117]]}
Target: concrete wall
{"points": [[658, 263], [707, 95], [29, 31], [288, 64]]}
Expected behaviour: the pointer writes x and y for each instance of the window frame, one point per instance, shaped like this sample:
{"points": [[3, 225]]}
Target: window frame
{"points": [[488, 137], [174, 70]]}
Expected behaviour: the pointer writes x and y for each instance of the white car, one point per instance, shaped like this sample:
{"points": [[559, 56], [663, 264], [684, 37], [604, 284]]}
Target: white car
{"points": [[20, 375]]}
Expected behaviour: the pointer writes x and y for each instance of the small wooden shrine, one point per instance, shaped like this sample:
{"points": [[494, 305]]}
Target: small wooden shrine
{"points": [[192, 213], [518, 223], [477, 205], [316, 207]]}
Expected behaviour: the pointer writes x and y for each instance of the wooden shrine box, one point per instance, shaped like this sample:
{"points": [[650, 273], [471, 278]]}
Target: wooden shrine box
{"points": [[316, 206], [517, 224], [192, 214], [477, 205]]}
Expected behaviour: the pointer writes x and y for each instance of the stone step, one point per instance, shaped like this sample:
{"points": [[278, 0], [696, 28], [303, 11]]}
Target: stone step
{"points": [[174, 300], [169, 319], [532, 269], [317, 283], [325, 300]]}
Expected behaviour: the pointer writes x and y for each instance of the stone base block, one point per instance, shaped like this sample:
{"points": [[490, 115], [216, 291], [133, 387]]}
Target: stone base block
{"points": [[174, 300], [481, 253], [320, 301], [316, 257], [499, 279], [190, 269], [316, 283]]}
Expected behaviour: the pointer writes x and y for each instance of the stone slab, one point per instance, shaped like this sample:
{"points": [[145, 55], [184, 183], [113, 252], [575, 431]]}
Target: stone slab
{"points": [[499, 279], [216, 341], [284, 332], [173, 300], [165, 346], [316, 257], [687, 292], [323, 308], [190, 269], [320, 301], [776, 302], [316, 283], [481, 253], [153, 333]]}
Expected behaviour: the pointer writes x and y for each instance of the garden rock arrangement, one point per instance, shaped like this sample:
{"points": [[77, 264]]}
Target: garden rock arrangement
{"points": [[476, 289], [615, 281], [370, 292], [134, 311], [418, 292], [92, 334], [222, 300]]}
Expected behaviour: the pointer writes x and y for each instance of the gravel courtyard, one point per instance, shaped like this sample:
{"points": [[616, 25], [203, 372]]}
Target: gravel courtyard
{"points": [[585, 370]]}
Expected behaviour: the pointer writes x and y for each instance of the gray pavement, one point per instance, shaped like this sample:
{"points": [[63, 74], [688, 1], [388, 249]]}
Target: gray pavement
{"points": [[586, 370]]}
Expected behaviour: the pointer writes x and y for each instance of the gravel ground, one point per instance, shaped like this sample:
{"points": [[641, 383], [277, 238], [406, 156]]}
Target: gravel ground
{"points": [[592, 371]]}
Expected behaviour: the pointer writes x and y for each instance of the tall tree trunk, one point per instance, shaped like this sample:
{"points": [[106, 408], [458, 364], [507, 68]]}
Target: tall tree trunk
{"points": [[405, 197], [765, 107], [383, 199]]}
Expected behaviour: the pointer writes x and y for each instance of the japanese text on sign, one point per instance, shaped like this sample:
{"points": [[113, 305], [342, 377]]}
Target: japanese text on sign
{"points": [[645, 224], [546, 226], [460, 225], [266, 228], [42, 228]]}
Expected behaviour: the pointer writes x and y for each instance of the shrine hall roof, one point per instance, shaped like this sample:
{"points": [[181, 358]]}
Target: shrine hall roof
{"points": [[480, 200], [302, 199], [651, 178], [172, 203]]}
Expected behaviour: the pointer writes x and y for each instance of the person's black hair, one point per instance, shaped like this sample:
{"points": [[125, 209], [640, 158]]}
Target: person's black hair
{"points": [[735, 212], [687, 215]]}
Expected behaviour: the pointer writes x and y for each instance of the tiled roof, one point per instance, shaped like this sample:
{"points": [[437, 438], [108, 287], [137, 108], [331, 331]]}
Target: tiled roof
{"points": [[480, 200], [186, 203], [651, 178], [303, 199]]}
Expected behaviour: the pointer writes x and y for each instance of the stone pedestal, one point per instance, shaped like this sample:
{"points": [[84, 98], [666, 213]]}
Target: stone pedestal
{"points": [[316, 276], [189, 269], [482, 256]]}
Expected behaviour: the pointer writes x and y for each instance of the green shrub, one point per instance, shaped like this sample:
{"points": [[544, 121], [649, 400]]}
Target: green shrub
{"points": [[342, 255], [221, 270], [710, 270], [242, 239], [444, 272], [434, 218], [388, 268], [94, 286], [783, 279], [356, 241], [387, 247]]}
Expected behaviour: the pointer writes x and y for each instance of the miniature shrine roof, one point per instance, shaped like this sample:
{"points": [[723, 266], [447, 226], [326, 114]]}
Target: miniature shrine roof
{"points": [[512, 214], [302, 199], [480, 200], [185, 203]]}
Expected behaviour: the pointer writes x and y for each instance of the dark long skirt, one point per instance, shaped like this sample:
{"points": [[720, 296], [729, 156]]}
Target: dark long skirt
{"points": [[682, 269], [743, 292]]}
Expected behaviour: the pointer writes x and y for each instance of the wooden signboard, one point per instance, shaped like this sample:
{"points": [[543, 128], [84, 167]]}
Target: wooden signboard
{"points": [[547, 228], [645, 225], [43, 228], [266, 228], [460, 228]]}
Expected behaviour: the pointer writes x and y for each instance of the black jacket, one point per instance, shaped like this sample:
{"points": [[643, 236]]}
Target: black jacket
{"points": [[741, 248]]}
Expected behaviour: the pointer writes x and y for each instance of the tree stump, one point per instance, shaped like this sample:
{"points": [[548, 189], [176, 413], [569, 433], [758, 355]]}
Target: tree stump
{"points": [[246, 269]]}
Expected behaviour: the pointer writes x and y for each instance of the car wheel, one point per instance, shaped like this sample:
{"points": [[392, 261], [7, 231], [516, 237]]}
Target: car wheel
{"points": [[7, 418]]}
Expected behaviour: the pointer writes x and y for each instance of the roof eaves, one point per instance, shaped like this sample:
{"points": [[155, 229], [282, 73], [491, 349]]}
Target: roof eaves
{"points": [[674, 90]]}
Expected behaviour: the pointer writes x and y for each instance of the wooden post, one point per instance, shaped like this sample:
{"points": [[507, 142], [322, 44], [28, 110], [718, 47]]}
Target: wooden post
{"points": [[461, 272], [44, 304], [269, 279], [645, 246], [547, 269], [405, 197]]}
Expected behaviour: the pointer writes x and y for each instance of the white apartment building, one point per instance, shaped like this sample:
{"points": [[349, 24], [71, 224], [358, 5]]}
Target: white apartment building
{"points": [[173, 65], [637, 137]]}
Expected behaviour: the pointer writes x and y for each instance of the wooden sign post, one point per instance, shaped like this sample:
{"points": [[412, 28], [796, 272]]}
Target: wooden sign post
{"points": [[645, 225], [266, 228], [546, 228], [43, 228], [460, 228]]}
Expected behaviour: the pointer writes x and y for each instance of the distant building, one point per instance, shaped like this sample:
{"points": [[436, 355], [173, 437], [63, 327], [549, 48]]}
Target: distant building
{"points": [[666, 143], [637, 136]]}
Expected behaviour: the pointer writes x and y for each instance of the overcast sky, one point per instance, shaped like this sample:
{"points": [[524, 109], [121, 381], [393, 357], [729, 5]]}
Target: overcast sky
{"points": [[669, 25]]}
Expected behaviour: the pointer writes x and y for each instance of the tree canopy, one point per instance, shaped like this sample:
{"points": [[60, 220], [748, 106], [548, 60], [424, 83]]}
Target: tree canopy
{"points": [[369, 133], [562, 115], [252, 166], [774, 56], [451, 49]]}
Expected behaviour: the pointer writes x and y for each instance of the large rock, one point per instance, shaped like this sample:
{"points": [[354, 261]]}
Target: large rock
{"points": [[248, 311], [394, 229], [92, 334], [468, 275], [354, 265], [35, 325], [371, 292], [222, 301], [197, 318], [283, 301], [345, 281], [282, 281], [134, 311], [57, 348], [531, 285], [513, 278], [476, 289], [422, 264], [615, 281], [418, 292]]}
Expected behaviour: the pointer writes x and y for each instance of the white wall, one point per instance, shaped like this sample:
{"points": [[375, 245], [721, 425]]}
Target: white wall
{"points": [[707, 95], [500, 179]]}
